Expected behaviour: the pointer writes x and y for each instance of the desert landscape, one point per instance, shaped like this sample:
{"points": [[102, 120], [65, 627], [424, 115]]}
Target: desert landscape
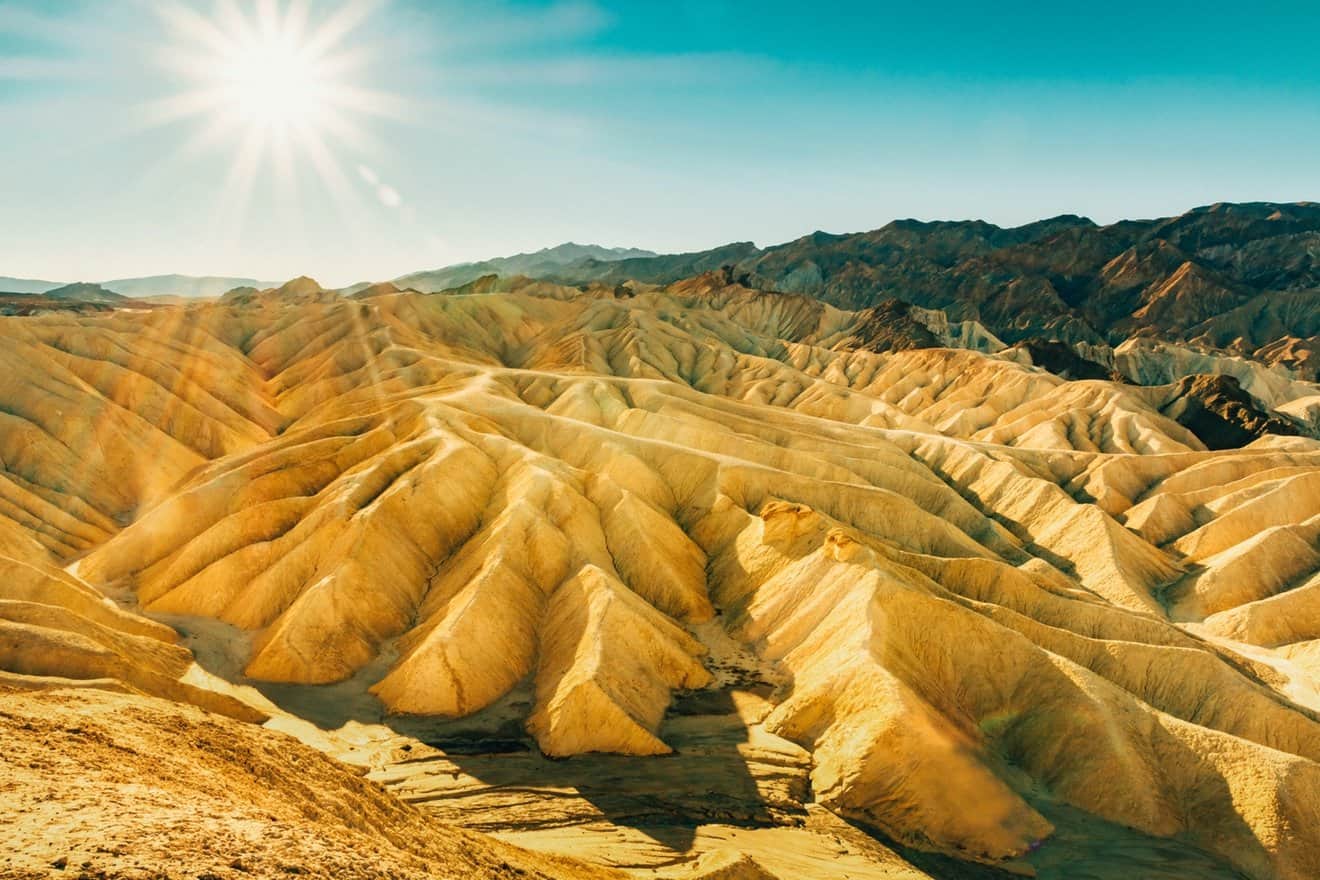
{"points": [[693, 579], [434, 442]]}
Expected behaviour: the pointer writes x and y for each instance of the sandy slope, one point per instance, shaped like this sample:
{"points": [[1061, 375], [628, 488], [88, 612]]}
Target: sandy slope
{"points": [[104, 785]]}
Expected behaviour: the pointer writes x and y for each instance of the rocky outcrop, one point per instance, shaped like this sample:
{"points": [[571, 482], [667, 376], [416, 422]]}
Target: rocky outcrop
{"points": [[1220, 413], [111, 785], [1062, 360]]}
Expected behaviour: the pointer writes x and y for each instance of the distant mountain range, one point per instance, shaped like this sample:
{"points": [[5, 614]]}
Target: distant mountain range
{"points": [[1244, 278], [189, 286], [534, 264], [544, 262], [26, 285], [186, 286], [1238, 278]]}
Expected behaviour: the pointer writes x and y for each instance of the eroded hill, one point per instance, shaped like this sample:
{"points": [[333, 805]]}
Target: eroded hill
{"points": [[978, 599]]}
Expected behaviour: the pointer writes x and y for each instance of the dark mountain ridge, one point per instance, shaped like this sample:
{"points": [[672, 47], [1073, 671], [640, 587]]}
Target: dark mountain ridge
{"points": [[1239, 277], [534, 264]]}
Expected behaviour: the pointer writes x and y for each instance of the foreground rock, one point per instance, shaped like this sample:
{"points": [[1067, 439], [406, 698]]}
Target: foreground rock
{"points": [[110, 786]]}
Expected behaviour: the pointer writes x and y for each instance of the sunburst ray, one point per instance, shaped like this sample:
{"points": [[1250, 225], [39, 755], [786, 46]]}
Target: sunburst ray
{"points": [[280, 86]]}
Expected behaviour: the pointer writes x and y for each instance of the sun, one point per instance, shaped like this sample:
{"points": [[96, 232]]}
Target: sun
{"points": [[279, 85], [272, 81]]}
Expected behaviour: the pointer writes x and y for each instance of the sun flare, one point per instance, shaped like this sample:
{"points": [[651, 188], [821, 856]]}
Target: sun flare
{"points": [[280, 87]]}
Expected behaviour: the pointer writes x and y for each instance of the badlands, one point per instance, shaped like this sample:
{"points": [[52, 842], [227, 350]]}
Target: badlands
{"points": [[672, 580]]}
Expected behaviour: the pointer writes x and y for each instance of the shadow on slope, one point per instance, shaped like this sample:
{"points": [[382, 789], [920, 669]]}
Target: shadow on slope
{"points": [[1083, 847], [486, 773]]}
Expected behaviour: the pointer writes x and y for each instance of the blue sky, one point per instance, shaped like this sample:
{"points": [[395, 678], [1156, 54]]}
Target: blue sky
{"points": [[507, 126]]}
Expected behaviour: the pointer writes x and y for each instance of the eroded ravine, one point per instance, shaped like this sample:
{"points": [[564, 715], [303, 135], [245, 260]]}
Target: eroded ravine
{"points": [[517, 519]]}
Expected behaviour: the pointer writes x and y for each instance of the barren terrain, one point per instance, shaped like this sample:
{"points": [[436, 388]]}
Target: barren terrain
{"points": [[686, 580]]}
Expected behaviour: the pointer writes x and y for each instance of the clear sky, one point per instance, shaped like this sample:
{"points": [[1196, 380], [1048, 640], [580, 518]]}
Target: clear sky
{"points": [[143, 136]]}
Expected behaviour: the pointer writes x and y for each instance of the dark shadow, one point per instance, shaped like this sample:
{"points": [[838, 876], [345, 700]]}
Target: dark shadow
{"points": [[1086, 847], [938, 865], [1083, 847], [508, 783], [707, 780], [1029, 546]]}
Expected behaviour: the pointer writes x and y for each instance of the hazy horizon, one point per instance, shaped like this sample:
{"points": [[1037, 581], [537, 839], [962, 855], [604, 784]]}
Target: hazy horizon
{"points": [[149, 139]]}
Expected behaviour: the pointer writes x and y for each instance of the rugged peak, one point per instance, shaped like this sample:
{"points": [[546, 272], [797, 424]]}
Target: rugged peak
{"points": [[1063, 360], [1221, 413], [86, 292], [300, 286], [892, 326], [296, 290], [380, 288], [485, 284], [716, 279]]}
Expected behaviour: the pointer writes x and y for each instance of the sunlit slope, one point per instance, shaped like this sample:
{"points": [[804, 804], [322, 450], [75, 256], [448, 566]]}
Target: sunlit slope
{"points": [[948, 555], [1249, 529], [58, 631], [133, 787]]}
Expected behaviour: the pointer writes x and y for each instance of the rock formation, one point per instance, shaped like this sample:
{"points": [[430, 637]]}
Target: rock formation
{"points": [[110, 786], [987, 594]]}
